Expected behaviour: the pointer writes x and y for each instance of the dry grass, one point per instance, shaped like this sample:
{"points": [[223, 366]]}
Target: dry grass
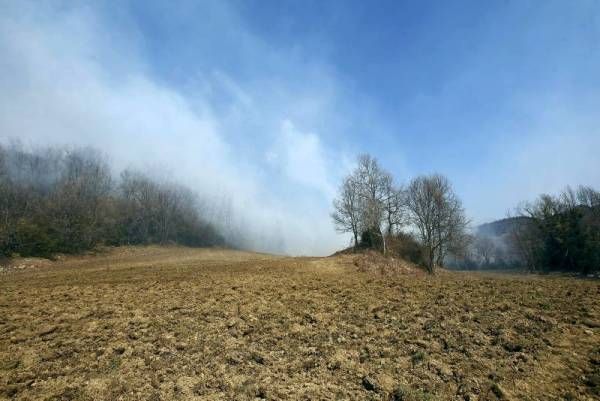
{"points": [[175, 323]]}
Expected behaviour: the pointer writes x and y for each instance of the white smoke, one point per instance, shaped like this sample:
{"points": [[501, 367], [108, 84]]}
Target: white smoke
{"points": [[65, 81]]}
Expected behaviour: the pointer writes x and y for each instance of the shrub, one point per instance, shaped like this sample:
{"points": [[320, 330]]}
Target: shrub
{"points": [[405, 246]]}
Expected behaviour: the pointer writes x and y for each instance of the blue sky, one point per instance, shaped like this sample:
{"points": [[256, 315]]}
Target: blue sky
{"points": [[264, 105]]}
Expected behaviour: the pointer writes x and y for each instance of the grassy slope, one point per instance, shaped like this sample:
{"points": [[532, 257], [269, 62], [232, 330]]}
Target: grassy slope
{"points": [[177, 323]]}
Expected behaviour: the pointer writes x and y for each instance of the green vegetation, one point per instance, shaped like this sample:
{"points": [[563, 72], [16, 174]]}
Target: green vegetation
{"points": [[553, 233], [562, 232]]}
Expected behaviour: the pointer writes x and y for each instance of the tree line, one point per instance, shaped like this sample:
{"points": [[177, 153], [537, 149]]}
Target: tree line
{"points": [[66, 200], [376, 212], [425, 222], [552, 233], [560, 233]]}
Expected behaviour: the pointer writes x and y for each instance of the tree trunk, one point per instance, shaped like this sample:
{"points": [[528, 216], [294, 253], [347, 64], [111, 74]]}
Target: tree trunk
{"points": [[431, 261]]}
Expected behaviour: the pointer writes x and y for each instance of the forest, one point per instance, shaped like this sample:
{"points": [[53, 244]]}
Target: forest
{"points": [[66, 200]]}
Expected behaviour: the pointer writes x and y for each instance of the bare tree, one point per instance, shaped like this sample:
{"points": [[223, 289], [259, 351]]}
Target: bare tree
{"points": [[437, 213], [372, 183], [484, 246], [393, 206], [452, 228], [77, 201], [346, 213], [368, 203]]}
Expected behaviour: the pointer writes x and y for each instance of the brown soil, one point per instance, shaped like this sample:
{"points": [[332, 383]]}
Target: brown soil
{"points": [[175, 323]]}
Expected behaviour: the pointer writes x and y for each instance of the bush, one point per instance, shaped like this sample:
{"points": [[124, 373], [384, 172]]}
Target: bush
{"points": [[32, 239], [370, 239], [405, 246]]}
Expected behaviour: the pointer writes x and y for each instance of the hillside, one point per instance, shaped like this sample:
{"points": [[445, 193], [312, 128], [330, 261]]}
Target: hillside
{"points": [[499, 228], [150, 323]]}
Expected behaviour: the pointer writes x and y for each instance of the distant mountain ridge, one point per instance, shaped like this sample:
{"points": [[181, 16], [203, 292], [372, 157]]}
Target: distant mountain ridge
{"points": [[499, 228]]}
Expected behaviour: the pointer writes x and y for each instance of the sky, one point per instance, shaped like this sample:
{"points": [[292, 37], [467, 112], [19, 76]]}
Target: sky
{"points": [[262, 106]]}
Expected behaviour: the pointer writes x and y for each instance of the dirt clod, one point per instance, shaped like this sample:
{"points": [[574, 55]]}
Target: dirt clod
{"points": [[370, 384]]}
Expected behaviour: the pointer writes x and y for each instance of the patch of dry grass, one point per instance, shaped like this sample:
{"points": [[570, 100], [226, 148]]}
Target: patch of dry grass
{"points": [[176, 323]]}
